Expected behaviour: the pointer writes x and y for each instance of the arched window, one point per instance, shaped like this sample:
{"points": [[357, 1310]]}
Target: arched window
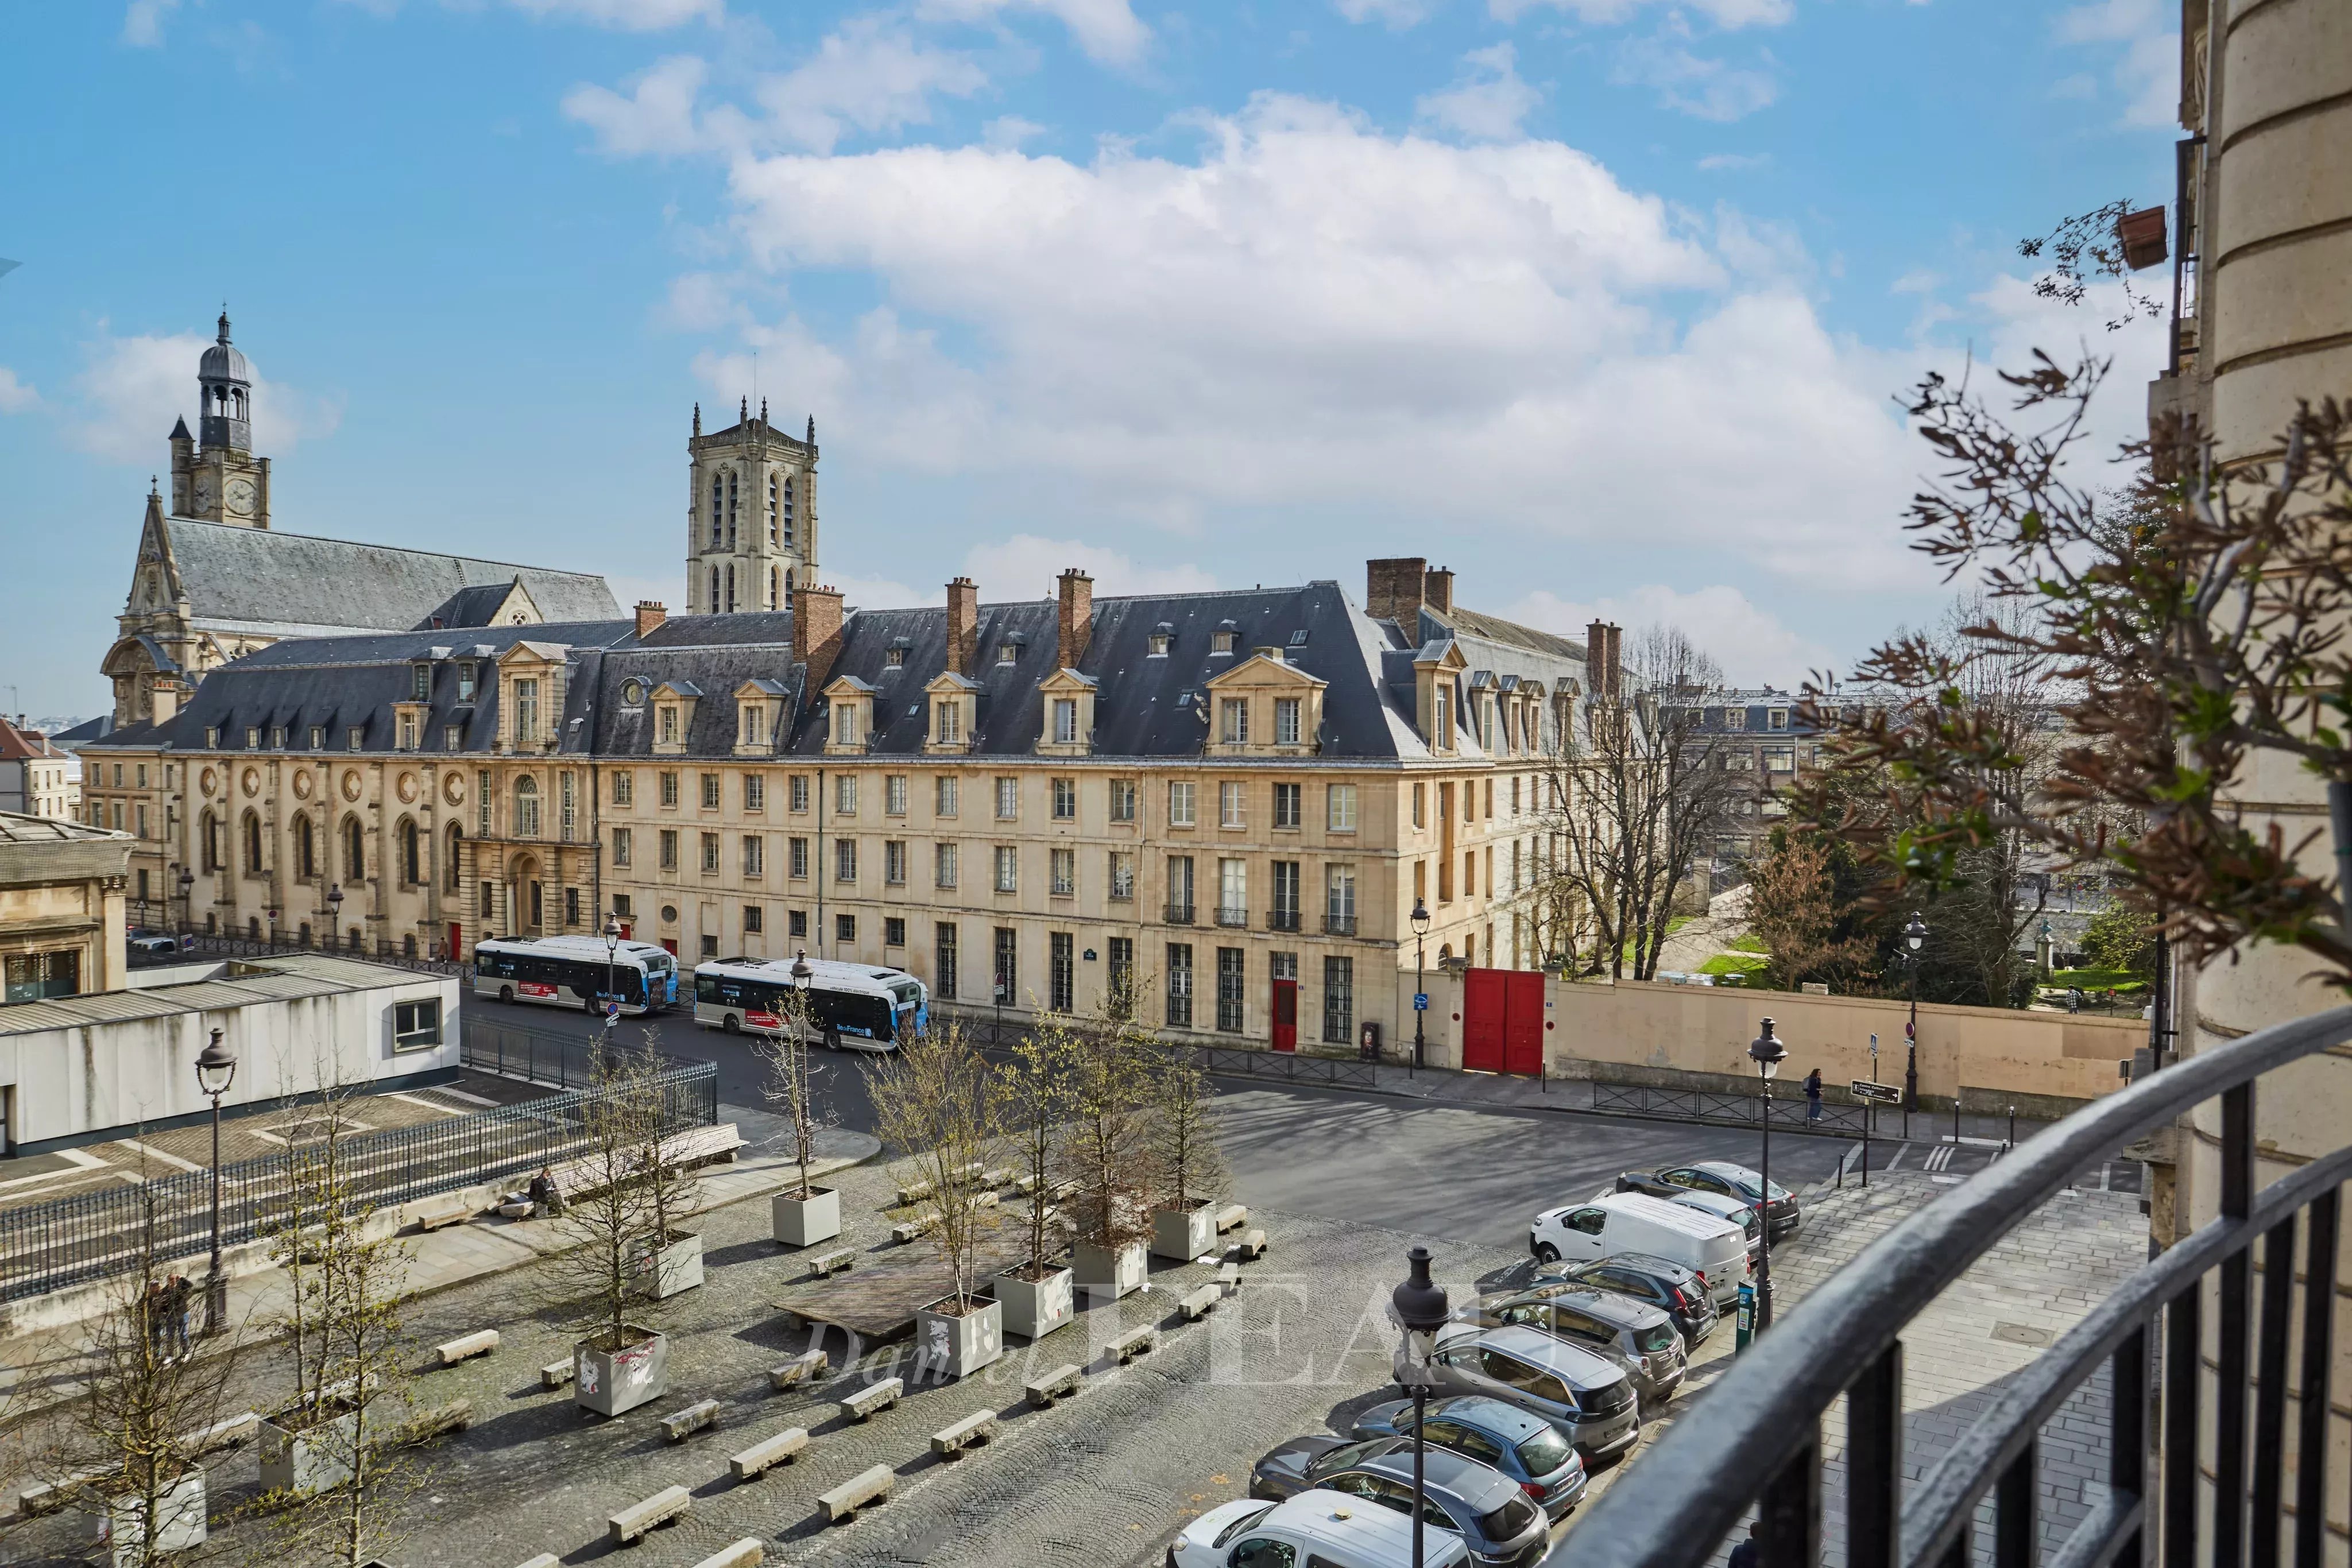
{"points": [[252, 844], [456, 835], [730, 511], [208, 835], [411, 854], [716, 491], [712, 607], [774, 510], [306, 851], [354, 851], [408, 946], [788, 511], [526, 807], [253, 928]]}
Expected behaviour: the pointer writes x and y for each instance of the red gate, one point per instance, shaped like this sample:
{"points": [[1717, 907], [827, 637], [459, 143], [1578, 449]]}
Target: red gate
{"points": [[1503, 1021], [1285, 1015]]}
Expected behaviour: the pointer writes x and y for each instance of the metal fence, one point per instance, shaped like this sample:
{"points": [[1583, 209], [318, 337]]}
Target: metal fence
{"points": [[1716, 1109], [46, 1246], [991, 1033], [202, 945], [560, 1061]]}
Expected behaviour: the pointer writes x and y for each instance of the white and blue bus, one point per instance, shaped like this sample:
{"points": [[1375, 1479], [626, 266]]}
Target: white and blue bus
{"points": [[861, 1004], [572, 972]]}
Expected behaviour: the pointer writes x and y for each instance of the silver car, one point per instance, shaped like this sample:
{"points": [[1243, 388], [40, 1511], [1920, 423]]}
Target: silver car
{"points": [[1635, 1335], [1586, 1394]]}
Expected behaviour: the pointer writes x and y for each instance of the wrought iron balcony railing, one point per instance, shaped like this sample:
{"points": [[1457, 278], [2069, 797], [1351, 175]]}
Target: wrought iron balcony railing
{"points": [[1180, 914], [1338, 925], [1232, 914], [1761, 1440], [1282, 920]]}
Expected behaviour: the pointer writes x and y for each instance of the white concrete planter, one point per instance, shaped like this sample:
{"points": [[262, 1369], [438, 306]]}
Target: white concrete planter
{"points": [[179, 1523], [1104, 1271], [956, 1345], [1184, 1234], [673, 1269], [305, 1463], [1036, 1307], [802, 1221], [610, 1381]]}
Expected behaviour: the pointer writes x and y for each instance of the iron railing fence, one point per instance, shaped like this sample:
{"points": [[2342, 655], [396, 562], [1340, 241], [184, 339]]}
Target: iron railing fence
{"points": [[89, 1236], [283, 945], [991, 1033], [1719, 1109], [2199, 1457], [563, 1061]]}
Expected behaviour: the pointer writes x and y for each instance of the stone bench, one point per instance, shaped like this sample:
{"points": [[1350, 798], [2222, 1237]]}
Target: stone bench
{"points": [[870, 1486], [1001, 1176], [1229, 1278], [518, 1208], [48, 1497], [1251, 1247], [804, 1368], [913, 1192], [908, 1230], [629, 1526], [1231, 1219], [748, 1552], [841, 1260], [1134, 1342], [439, 1422], [544, 1559], [435, 1213], [556, 1373], [874, 1396], [768, 1453], [229, 1432], [465, 1347], [1198, 1304], [1043, 1391], [970, 1432], [691, 1420]]}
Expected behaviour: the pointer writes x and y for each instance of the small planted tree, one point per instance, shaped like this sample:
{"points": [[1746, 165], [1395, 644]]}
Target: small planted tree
{"points": [[1185, 1156], [671, 1259], [1108, 1155], [937, 1102], [807, 1213], [1035, 1293], [610, 1214]]}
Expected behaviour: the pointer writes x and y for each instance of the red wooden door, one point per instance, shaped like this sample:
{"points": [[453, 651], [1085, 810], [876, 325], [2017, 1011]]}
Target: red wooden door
{"points": [[1483, 1005], [1285, 1015], [456, 940], [1523, 1021]]}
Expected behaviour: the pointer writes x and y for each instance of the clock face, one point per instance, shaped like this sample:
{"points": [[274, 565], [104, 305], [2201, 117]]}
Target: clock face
{"points": [[204, 491], [240, 495]]}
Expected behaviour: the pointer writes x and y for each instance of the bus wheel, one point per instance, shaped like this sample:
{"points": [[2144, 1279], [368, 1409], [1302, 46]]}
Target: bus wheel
{"points": [[832, 1038], [588, 1006], [506, 993], [732, 1025]]}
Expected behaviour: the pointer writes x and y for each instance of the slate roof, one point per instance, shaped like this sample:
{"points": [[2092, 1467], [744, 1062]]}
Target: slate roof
{"points": [[263, 577], [16, 828]]}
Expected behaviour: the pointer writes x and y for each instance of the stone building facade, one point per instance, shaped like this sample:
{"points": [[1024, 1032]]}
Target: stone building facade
{"points": [[39, 778], [750, 515]]}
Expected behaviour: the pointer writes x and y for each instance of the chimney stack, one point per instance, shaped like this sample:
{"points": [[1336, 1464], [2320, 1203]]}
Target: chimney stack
{"points": [[1075, 626], [650, 614], [963, 625], [1603, 657], [1438, 590], [817, 634], [1393, 589]]}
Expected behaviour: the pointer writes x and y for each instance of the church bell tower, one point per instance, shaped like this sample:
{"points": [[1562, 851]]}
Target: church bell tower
{"points": [[750, 515], [224, 482]]}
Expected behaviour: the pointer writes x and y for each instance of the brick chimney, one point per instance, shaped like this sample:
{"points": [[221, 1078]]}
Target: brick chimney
{"points": [[1603, 655], [650, 614], [963, 625], [1437, 590], [816, 633], [1393, 589], [1076, 624]]}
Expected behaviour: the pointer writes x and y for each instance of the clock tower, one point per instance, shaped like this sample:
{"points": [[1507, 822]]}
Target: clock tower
{"points": [[223, 481]]}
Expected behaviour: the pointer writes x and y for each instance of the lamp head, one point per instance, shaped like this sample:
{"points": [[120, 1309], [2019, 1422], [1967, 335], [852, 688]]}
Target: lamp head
{"points": [[187, 879], [334, 896], [1767, 1050], [1420, 918], [802, 974], [1420, 1303], [215, 1066], [1915, 934]]}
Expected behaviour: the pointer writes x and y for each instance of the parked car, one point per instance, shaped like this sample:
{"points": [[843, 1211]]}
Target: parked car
{"points": [[1498, 1523], [149, 945], [1715, 1249], [1584, 1392], [1665, 1284], [1727, 1180], [1636, 1335], [1740, 1211], [1537, 1453], [1312, 1527]]}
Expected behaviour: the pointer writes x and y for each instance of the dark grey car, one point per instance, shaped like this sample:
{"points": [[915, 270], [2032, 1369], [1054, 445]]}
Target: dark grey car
{"points": [[1637, 1336], [1519, 1443], [1580, 1390], [1493, 1517], [1667, 1286]]}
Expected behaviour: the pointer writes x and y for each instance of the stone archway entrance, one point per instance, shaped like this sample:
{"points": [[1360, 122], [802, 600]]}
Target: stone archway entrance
{"points": [[527, 894]]}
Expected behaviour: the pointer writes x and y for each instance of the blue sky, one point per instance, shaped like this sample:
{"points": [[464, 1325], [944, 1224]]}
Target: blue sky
{"points": [[1601, 302]]}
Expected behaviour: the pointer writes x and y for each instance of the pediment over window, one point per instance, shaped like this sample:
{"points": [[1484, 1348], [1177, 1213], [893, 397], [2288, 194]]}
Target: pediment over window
{"points": [[1263, 706]]}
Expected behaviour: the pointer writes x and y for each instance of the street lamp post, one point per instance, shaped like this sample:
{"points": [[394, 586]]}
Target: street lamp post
{"points": [[1420, 981], [188, 900], [273, 928], [802, 977], [1915, 937], [1767, 1053], [612, 958], [215, 1071], [334, 914], [1418, 1308]]}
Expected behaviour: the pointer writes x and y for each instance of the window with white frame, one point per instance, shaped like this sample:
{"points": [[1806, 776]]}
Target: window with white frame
{"points": [[1122, 876], [755, 792], [755, 855], [1066, 800], [797, 791], [1340, 807], [1065, 872], [943, 861], [946, 796], [894, 862], [622, 846], [1230, 803], [711, 852], [845, 795], [1180, 802], [1286, 721], [1122, 799], [946, 721], [1065, 721], [1233, 720], [893, 795], [1008, 868], [1008, 800], [797, 856]]}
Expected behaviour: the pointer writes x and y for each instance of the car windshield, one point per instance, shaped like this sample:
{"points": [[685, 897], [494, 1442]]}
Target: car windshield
{"points": [[1545, 1452], [1656, 1338], [1340, 1457], [1507, 1522], [1744, 1182], [1244, 1522]]}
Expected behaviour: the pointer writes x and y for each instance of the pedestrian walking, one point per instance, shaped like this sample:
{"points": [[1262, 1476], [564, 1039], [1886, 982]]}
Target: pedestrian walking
{"points": [[176, 1297], [2074, 998], [1813, 1095], [1744, 1554], [544, 1192], [151, 1316]]}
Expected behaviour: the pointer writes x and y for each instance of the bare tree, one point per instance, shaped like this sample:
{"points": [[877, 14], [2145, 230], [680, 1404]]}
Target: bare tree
{"points": [[1794, 910], [793, 1079], [1108, 1153], [1184, 1132], [1036, 1086], [609, 1213], [936, 1101], [668, 1184]]}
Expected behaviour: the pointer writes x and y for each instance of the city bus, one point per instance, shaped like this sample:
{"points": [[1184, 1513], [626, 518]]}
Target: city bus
{"points": [[571, 972], [861, 1004]]}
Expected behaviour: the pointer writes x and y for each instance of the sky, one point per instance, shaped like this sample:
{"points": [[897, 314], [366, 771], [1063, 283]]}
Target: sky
{"points": [[1606, 304]]}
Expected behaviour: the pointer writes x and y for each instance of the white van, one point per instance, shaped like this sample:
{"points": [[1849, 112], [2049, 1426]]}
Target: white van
{"points": [[1325, 1527], [1635, 1222]]}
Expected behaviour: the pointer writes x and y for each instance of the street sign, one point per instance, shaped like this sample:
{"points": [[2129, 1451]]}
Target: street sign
{"points": [[1421, 1001], [1885, 1093]]}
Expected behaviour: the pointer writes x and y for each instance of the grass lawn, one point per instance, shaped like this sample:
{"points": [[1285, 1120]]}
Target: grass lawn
{"points": [[1733, 963], [2096, 979]]}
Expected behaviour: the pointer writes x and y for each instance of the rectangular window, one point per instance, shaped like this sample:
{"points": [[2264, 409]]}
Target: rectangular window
{"points": [[668, 724], [1777, 718], [420, 685], [317, 737], [948, 718], [669, 848], [844, 860], [755, 855], [1122, 876], [1420, 805], [1286, 895], [944, 855], [755, 792], [1233, 720], [798, 790], [945, 797], [1008, 965], [1780, 759], [1490, 799], [1232, 891], [1340, 807], [710, 852], [407, 732], [751, 724], [482, 802], [1290, 805], [796, 923], [1286, 721], [894, 932], [484, 908], [893, 795], [1179, 803], [1122, 799], [571, 906], [1066, 873], [1420, 881], [844, 928], [356, 738], [845, 795], [1339, 1000], [1230, 799], [1066, 800], [141, 813], [796, 851], [1061, 971], [1008, 800], [1179, 888], [453, 737], [466, 682], [943, 943], [754, 921], [1122, 967], [1340, 900], [568, 808], [669, 788], [621, 905], [1180, 985], [525, 718], [1734, 718], [894, 862], [416, 1026], [1231, 971], [1008, 868], [1065, 721], [622, 848], [845, 724], [709, 791]]}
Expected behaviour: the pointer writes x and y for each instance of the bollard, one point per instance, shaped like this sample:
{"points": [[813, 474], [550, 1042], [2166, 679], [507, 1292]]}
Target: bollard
{"points": [[1746, 1330], [1955, 1119], [2012, 1127]]}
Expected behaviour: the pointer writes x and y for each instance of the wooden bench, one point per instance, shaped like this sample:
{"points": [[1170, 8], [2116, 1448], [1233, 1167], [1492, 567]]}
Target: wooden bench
{"points": [[748, 1552], [1251, 1247], [556, 1373], [874, 1396], [804, 1368], [439, 1422], [1134, 1342], [1231, 1219], [1043, 1391], [869, 1485], [970, 1432], [465, 1347], [768, 1453], [1198, 1304], [435, 1213], [691, 1420], [1229, 1278], [629, 1526]]}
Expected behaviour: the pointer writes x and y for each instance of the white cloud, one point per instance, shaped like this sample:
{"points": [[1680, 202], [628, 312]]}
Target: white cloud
{"points": [[1750, 642], [1108, 30], [1708, 88], [16, 396], [657, 117], [1486, 102], [1010, 131], [143, 24], [1028, 567], [867, 77], [627, 15], [879, 592], [1716, 162], [1397, 15], [1601, 13], [131, 389]]}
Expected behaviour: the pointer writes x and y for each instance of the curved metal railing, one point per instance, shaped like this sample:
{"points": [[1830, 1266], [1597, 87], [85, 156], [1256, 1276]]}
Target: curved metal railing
{"points": [[1757, 1440]]}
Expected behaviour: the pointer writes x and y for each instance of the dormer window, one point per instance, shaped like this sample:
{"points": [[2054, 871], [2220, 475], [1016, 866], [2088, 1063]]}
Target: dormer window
{"points": [[896, 658], [666, 726], [420, 683], [1222, 640], [1009, 651], [277, 739], [212, 737], [845, 724], [407, 732], [1441, 716], [317, 737], [1286, 721], [466, 682], [1065, 721], [356, 738], [1162, 637], [751, 726], [946, 721], [526, 713], [253, 740]]}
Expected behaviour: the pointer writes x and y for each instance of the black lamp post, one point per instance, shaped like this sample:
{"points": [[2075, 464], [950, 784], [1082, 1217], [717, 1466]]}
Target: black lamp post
{"points": [[1915, 937], [187, 899], [334, 914], [1418, 1308], [612, 959], [1420, 982], [802, 977], [215, 1071], [273, 928], [1767, 1052]]}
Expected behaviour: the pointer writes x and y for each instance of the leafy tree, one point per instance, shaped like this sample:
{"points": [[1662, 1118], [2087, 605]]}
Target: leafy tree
{"points": [[2118, 937], [1794, 911]]}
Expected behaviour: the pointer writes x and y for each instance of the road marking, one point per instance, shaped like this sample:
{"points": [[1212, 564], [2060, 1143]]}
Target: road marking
{"points": [[421, 1104], [155, 1153], [470, 1099], [1900, 1151]]}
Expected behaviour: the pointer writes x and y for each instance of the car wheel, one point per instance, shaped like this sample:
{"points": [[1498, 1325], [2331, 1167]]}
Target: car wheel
{"points": [[1546, 1253], [506, 993]]}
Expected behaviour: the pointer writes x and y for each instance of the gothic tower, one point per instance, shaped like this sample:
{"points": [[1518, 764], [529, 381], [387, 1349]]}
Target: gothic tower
{"points": [[750, 515], [224, 482]]}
